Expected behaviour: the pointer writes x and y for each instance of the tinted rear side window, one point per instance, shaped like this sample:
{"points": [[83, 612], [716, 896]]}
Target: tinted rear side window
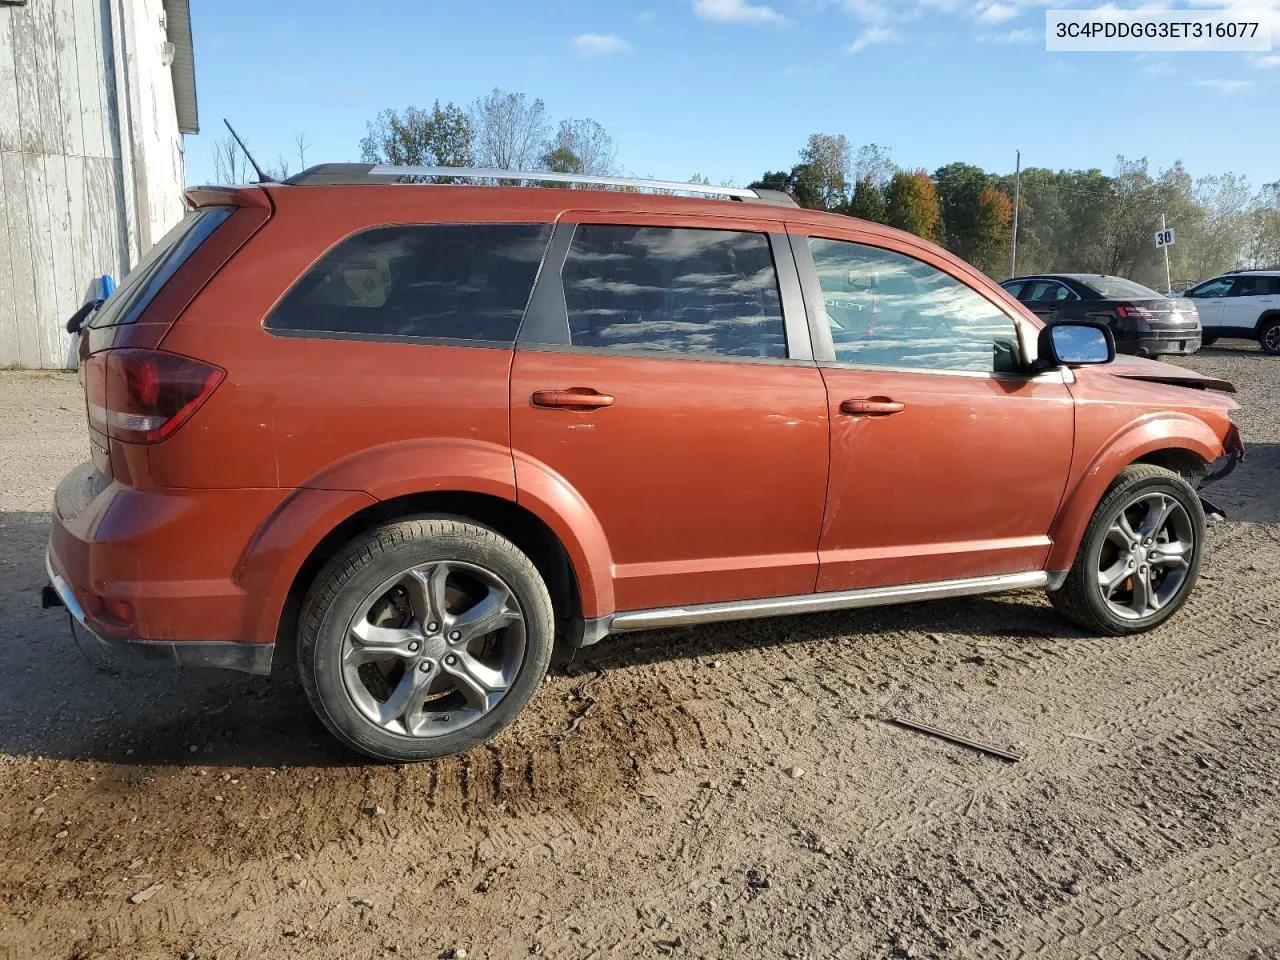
{"points": [[673, 290], [436, 281], [158, 266]]}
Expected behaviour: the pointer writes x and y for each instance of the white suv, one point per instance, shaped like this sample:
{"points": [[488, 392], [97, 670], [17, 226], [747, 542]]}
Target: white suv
{"points": [[1243, 303]]}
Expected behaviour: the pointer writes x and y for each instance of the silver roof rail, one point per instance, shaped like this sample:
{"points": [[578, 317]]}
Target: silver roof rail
{"points": [[332, 173]]}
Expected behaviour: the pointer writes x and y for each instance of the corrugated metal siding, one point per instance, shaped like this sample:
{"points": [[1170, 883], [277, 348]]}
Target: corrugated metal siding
{"points": [[66, 196]]}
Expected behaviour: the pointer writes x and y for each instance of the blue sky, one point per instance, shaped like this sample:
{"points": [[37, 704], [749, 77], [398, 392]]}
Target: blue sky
{"points": [[730, 88]]}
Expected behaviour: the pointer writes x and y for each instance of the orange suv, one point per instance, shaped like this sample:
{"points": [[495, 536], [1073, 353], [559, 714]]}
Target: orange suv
{"points": [[414, 435]]}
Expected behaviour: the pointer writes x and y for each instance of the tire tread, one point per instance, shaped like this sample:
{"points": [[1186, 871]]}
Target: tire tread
{"points": [[366, 549], [1073, 599]]}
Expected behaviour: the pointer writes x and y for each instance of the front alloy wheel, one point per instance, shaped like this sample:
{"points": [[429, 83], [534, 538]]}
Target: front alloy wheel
{"points": [[1145, 556], [1140, 556]]}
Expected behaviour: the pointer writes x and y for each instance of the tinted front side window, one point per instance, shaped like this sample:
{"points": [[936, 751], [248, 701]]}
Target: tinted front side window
{"points": [[888, 309], [446, 281], [673, 290]]}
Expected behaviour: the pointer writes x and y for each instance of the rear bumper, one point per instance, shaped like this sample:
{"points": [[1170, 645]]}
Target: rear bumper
{"points": [[155, 571], [1166, 342], [252, 658]]}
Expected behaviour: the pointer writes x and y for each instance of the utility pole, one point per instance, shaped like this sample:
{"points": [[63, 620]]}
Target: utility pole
{"points": [[1168, 280], [1017, 189]]}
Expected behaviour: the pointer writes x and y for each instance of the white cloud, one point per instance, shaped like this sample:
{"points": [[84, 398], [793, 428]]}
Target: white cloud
{"points": [[599, 44], [1024, 35], [873, 36], [736, 11], [1223, 86], [997, 13], [1270, 62]]}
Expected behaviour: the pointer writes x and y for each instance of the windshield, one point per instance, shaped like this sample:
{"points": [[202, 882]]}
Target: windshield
{"points": [[1117, 288], [161, 262]]}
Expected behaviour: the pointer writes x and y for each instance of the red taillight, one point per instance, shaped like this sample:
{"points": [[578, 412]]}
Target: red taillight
{"points": [[142, 396], [1134, 313]]}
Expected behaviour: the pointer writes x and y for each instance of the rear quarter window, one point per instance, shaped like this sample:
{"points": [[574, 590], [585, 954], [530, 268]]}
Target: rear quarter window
{"points": [[465, 282]]}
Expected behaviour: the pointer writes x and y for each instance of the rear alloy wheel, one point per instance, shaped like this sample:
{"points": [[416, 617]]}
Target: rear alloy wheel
{"points": [[1140, 557], [1269, 336], [424, 638]]}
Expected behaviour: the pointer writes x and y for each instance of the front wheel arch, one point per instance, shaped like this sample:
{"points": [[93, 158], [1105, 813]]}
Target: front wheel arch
{"points": [[1175, 441]]}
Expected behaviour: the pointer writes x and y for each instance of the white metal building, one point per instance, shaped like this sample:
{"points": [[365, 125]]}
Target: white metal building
{"points": [[95, 96]]}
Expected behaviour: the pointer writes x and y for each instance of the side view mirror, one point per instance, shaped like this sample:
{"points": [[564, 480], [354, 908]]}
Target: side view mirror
{"points": [[1075, 343], [101, 288]]}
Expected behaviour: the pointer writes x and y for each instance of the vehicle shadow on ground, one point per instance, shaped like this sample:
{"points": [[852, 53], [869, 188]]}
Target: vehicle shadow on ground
{"points": [[60, 701], [1243, 349], [1251, 494]]}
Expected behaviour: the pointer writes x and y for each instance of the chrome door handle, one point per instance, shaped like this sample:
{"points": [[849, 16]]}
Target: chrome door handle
{"points": [[576, 398], [872, 407]]}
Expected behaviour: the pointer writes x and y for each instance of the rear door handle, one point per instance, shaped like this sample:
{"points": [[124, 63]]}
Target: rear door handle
{"points": [[576, 398], [872, 407]]}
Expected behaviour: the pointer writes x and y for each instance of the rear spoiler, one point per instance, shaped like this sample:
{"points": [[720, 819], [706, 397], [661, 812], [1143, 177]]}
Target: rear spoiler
{"points": [[246, 196]]}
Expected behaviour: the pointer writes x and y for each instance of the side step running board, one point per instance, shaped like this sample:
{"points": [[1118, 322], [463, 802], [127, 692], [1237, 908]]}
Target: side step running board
{"points": [[818, 602]]}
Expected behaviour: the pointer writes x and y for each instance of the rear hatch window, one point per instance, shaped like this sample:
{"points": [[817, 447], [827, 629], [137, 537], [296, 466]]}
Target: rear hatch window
{"points": [[155, 269], [1117, 288]]}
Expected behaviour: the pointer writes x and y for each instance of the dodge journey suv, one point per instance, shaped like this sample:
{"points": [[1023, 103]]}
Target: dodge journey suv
{"points": [[413, 436]]}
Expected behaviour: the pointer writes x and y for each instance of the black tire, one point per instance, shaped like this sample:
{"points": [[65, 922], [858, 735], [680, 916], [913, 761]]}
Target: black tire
{"points": [[1080, 599], [348, 580], [1208, 341], [1269, 336]]}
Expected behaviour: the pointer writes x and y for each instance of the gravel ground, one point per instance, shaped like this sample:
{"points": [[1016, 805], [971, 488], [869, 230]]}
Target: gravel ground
{"points": [[731, 790]]}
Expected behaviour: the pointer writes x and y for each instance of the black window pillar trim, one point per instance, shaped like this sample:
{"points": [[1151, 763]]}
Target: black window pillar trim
{"points": [[824, 348], [546, 318], [795, 320]]}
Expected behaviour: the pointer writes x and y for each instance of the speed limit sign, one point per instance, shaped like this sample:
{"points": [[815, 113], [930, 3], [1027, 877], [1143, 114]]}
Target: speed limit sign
{"points": [[1164, 239]]}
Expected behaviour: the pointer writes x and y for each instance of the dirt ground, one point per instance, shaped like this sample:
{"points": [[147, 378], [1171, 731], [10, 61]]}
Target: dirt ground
{"points": [[733, 791]]}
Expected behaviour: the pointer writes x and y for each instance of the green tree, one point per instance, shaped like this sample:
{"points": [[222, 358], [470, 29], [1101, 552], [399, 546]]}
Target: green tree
{"points": [[867, 202], [823, 174], [960, 188], [439, 137], [911, 204]]}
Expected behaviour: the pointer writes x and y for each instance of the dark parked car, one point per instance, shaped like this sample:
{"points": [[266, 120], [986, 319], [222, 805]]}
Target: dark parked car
{"points": [[1143, 321]]}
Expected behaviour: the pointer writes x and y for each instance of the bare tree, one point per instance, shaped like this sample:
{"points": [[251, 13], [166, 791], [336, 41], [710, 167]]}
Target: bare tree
{"points": [[230, 165], [586, 141], [511, 133], [302, 144], [874, 163]]}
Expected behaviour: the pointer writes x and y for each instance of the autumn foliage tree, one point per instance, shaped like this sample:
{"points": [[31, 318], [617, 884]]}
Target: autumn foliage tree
{"points": [[992, 222], [911, 204]]}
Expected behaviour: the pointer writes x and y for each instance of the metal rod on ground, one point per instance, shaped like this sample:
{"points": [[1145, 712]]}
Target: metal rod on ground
{"points": [[1017, 191], [962, 741]]}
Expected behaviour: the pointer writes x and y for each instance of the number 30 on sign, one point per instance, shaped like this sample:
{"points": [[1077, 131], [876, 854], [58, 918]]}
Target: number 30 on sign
{"points": [[1164, 238]]}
